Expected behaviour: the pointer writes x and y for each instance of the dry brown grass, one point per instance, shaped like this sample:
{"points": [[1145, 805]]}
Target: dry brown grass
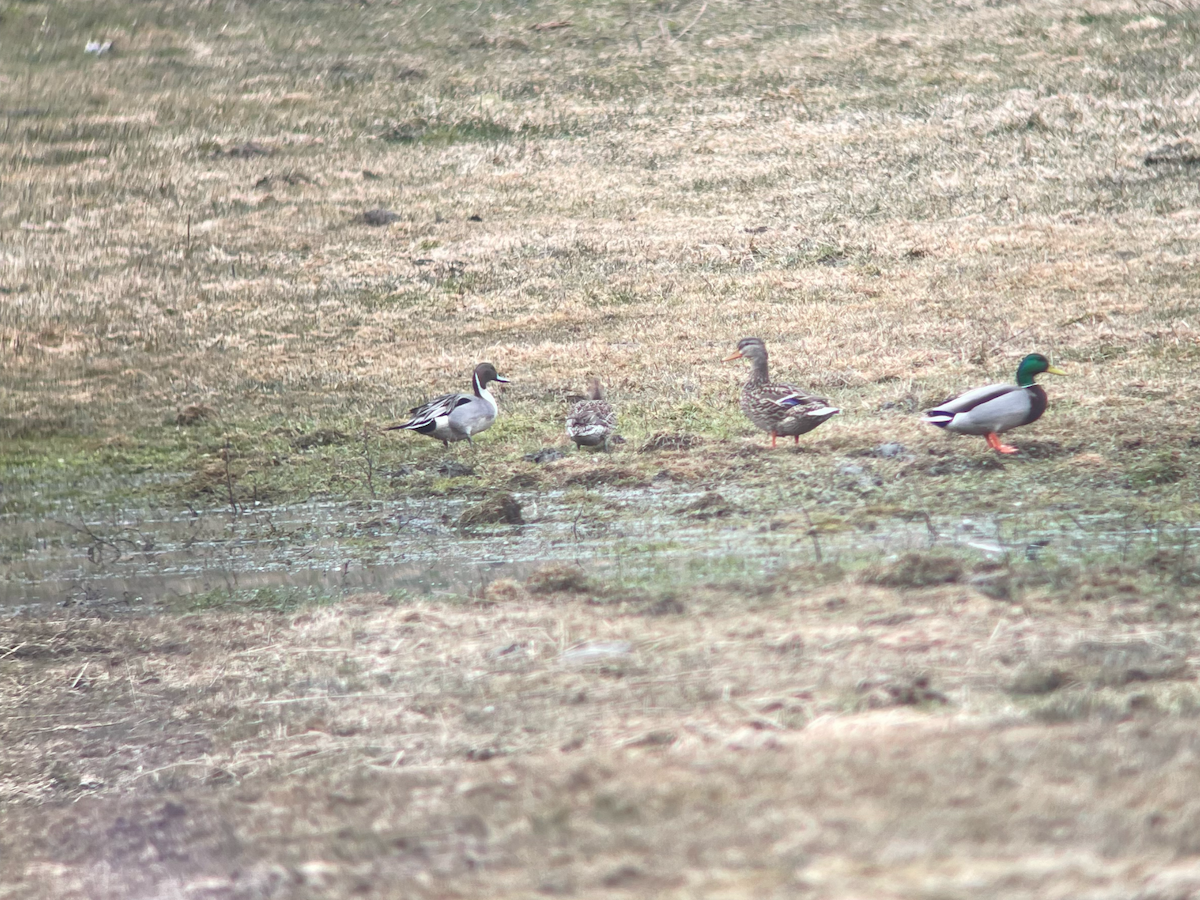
{"points": [[839, 740], [901, 199], [901, 205]]}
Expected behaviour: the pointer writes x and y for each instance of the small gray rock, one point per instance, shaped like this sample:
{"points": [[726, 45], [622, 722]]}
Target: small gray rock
{"points": [[545, 455], [596, 652], [890, 450], [378, 217]]}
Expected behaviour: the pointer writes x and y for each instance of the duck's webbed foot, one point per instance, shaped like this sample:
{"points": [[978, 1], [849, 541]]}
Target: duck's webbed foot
{"points": [[999, 446]]}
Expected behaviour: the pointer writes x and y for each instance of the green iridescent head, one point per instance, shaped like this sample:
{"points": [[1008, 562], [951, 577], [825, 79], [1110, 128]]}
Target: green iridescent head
{"points": [[1032, 365]]}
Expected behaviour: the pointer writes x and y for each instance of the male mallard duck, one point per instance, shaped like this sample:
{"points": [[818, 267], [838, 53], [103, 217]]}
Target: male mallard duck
{"points": [[455, 417], [997, 408], [591, 421], [777, 408]]}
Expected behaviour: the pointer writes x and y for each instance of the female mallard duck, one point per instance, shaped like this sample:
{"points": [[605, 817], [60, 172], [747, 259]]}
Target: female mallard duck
{"points": [[455, 417], [997, 408], [592, 421], [777, 408]]}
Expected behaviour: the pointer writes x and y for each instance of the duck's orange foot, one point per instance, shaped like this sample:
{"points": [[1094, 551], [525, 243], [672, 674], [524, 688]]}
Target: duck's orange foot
{"points": [[996, 444]]}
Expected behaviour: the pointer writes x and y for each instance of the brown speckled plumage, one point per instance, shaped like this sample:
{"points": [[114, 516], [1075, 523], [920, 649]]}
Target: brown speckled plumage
{"points": [[777, 408], [592, 421]]}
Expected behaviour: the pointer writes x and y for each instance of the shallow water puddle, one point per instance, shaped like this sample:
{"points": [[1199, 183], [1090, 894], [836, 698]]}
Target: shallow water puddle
{"points": [[283, 555]]}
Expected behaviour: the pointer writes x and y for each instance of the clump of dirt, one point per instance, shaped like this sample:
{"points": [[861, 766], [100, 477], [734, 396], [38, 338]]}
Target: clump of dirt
{"points": [[1164, 467], [667, 605], [805, 577], [1045, 449], [605, 475], [936, 467], [505, 590], [668, 440], [322, 437], [214, 478], [249, 150], [637, 602], [1125, 661], [708, 506], [916, 570], [1106, 583], [558, 578], [525, 480], [995, 584], [1180, 566], [194, 414], [545, 455], [748, 449], [377, 217], [905, 690], [1032, 680], [500, 509]]}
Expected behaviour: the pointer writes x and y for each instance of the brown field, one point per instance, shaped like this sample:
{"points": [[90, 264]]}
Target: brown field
{"points": [[737, 675]]}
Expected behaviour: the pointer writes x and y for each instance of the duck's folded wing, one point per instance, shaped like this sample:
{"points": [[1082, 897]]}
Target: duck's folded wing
{"points": [[1008, 410], [997, 408], [428, 412], [971, 399], [591, 417], [799, 402]]}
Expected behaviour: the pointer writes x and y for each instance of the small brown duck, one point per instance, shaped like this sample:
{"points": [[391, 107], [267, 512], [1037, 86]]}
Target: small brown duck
{"points": [[777, 408], [591, 422]]}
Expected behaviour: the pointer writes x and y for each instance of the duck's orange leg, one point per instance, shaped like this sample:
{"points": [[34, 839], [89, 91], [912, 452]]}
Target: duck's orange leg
{"points": [[797, 439], [773, 436], [1000, 447]]}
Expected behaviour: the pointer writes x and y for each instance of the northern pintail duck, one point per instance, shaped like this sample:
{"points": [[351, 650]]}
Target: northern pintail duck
{"points": [[777, 408], [990, 411], [457, 417], [591, 422]]}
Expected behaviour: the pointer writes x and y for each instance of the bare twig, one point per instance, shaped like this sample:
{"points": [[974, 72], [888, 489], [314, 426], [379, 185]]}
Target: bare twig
{"points": [[97, 540], [812, 532], [11, 650], [366, 452], [757, 717], [689, 25], [229, 478], [83, 726]]}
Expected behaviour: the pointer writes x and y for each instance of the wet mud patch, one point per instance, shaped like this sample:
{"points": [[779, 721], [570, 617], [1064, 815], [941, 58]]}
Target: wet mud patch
{"points": [[1045, 449], [195, 414], [322, 437], [708, 506], [1163, 467], [561, 578], [597, 476], [501, 509], [883, 691], [940, 464], [1129, 660], [525, 480], [668, 440], [916, 570], [43, 641], [451, 468]]}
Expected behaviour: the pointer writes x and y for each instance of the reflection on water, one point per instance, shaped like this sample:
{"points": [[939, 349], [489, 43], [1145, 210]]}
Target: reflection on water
{"points": [[145, 560]]}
